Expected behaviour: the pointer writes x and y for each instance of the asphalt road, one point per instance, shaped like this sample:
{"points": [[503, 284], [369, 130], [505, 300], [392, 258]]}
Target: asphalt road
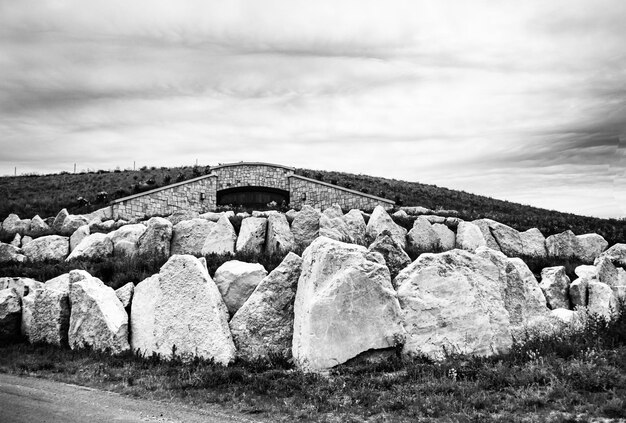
{"points": [[26, 399]]}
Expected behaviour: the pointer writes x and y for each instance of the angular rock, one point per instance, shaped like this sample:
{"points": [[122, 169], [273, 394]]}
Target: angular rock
{"points": [[333, 211], [469, 237], [51, 247], [508, 239], [586, 272], [10, 314], [125, 294], [95, 246], [381, 221], [591, 246], [265, 213], [71, 223], [26, 239], [563, 245], [335, 228], [533, 243], [78, 236], [11, 254], [306, 226], [125, 240], [189, 236], [97, 318], [356, 226], [401, 214], [17, 241], [564, 315], [555, 286], [422, 237], [452, 301], [345, 305], [616, 254], [10, 224], [50, 316], [22, 286], [291, 215], [221, 238], [601, 300], [155, 241], [252, 235], [28, 305], [211, 216], [181, 307], [485, 228], [60, 283], [236, 280], [395, 257], [453, 222], [279, 240], [435, 219], [59, 219], [606, 271], [182, 215], [263, 326], [578, 292], [38, 227], [447, 238]]}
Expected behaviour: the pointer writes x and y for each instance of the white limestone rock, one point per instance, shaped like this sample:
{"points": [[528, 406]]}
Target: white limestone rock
{"points": [[336, 228], [616, 254], [291, 215], [11, 254], [212, 216], [252, 235], [485, 228], [564, 245], [533, 243], [125, 240], [345, 305], [189, 236], [306, 226], [155, 241], [333, 211], [236, 280], [578, 292], [591, 246], [586, 272], [95, 246], [401, 214], [58, 220], [10, 314], [564, 315], [50, 315], [221, 238], [601, 300], [356, 226], [606, 271], [71, 223], [469, 237], [381, 221], [508, 239], [17, 241], [26, 239], [453, 301], [47, 248], [38, 227], [395, 257], [97, 319], [125, 294], [78, 236], [22, 286], [555, 286], [280, 240], [446, 237], [181, 307], [263, 326], [422, 237], [435, 219], [182, 215]]}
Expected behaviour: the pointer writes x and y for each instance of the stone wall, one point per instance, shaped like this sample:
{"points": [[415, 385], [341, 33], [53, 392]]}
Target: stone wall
{"points": [[252, 174], [167, 200], [306, 191]]}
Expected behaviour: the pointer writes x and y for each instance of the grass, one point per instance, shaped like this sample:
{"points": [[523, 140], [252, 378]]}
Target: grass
{"points": [[567, 375]]}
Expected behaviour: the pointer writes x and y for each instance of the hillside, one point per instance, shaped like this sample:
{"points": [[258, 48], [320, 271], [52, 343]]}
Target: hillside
{"points": [[47, 194]]}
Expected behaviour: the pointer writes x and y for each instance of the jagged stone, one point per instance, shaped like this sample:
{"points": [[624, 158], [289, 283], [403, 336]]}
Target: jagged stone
{"points": [[606, 271], [508, 239], [22, 286], [263, 326], [422, 237], [11, 254], [447, 238], [17, 241], [335, 228], [51, 247], [401, 214], [50, 315], [563, 245], [71, 223], [252, 235], [616, 254], [9, 225], [591, 246], [469, 237], [601, 299], [333, 211], [395, 257], [78, 236], [533, 243], [38, 227], [10, 314], [578, 292], [306, 226], [181, 216], [381, 221], [291, 215], [26, 239], [452, 301], [59, 219], [181, 309], [564, 315], [155, 241], [95, 246], [356, 226], [212, 216], [236, 280], [189, 236], [485, 228], [345, 305], [435, 219], [555, 286], [97, 319], [125, 294], [221, 238], [280, 240], [125, 240], [586, 272]]}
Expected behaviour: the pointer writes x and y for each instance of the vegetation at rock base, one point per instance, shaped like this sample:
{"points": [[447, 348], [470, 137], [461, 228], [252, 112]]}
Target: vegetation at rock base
{"points": [[47, 194], [565, 375]]}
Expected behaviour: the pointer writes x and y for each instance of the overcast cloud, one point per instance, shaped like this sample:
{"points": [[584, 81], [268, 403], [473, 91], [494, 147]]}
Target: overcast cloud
{"points": [[524, 101]]}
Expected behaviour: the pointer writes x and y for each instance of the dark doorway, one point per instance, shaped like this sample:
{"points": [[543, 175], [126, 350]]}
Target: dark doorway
{"points": [[254, 197]]}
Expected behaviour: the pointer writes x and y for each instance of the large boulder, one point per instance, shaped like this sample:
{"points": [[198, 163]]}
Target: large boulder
{"points": [[263, 326], [98, 319], [395, 257], [236, 280], [533, 243], [59, 219], [508, 239], [306, 226], [422, 237], [563, 246], [252, 235], [189, 236], [606, 271], [181, 310], [95, 246], [452, 302], [381, 221], [345, 305], [182, 215], [591, 246], [22, 286], [616, 254], [601, 300], [333, 211], [485, 228], [469, 237], [38, 227], [11, 254], [125, 294], [335, 227], [47, 248], [50, 315], [71, 223], [280, 240], [221, 238], [78, 236], [10, 224], [555, 286], [154, 243], [356, 226], [125, 240], [446, 237], [10, 314]]}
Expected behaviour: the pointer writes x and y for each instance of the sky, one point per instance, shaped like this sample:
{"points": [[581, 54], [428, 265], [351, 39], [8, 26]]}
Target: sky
{"points": [[517, 100]]}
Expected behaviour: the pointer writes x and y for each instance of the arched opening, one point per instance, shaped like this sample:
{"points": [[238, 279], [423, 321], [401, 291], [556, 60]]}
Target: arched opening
{"points": [[252, 196]]}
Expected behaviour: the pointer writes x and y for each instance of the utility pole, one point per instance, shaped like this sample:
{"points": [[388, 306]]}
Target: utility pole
{"points": [[15, 171], [133, 165], [74, 167]]}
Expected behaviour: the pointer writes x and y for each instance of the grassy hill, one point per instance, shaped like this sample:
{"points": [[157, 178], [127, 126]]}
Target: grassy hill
{"points": [[47, 194]]}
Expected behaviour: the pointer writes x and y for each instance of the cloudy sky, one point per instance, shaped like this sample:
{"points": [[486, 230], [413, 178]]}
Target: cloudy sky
{"points": [[519, 100]]}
